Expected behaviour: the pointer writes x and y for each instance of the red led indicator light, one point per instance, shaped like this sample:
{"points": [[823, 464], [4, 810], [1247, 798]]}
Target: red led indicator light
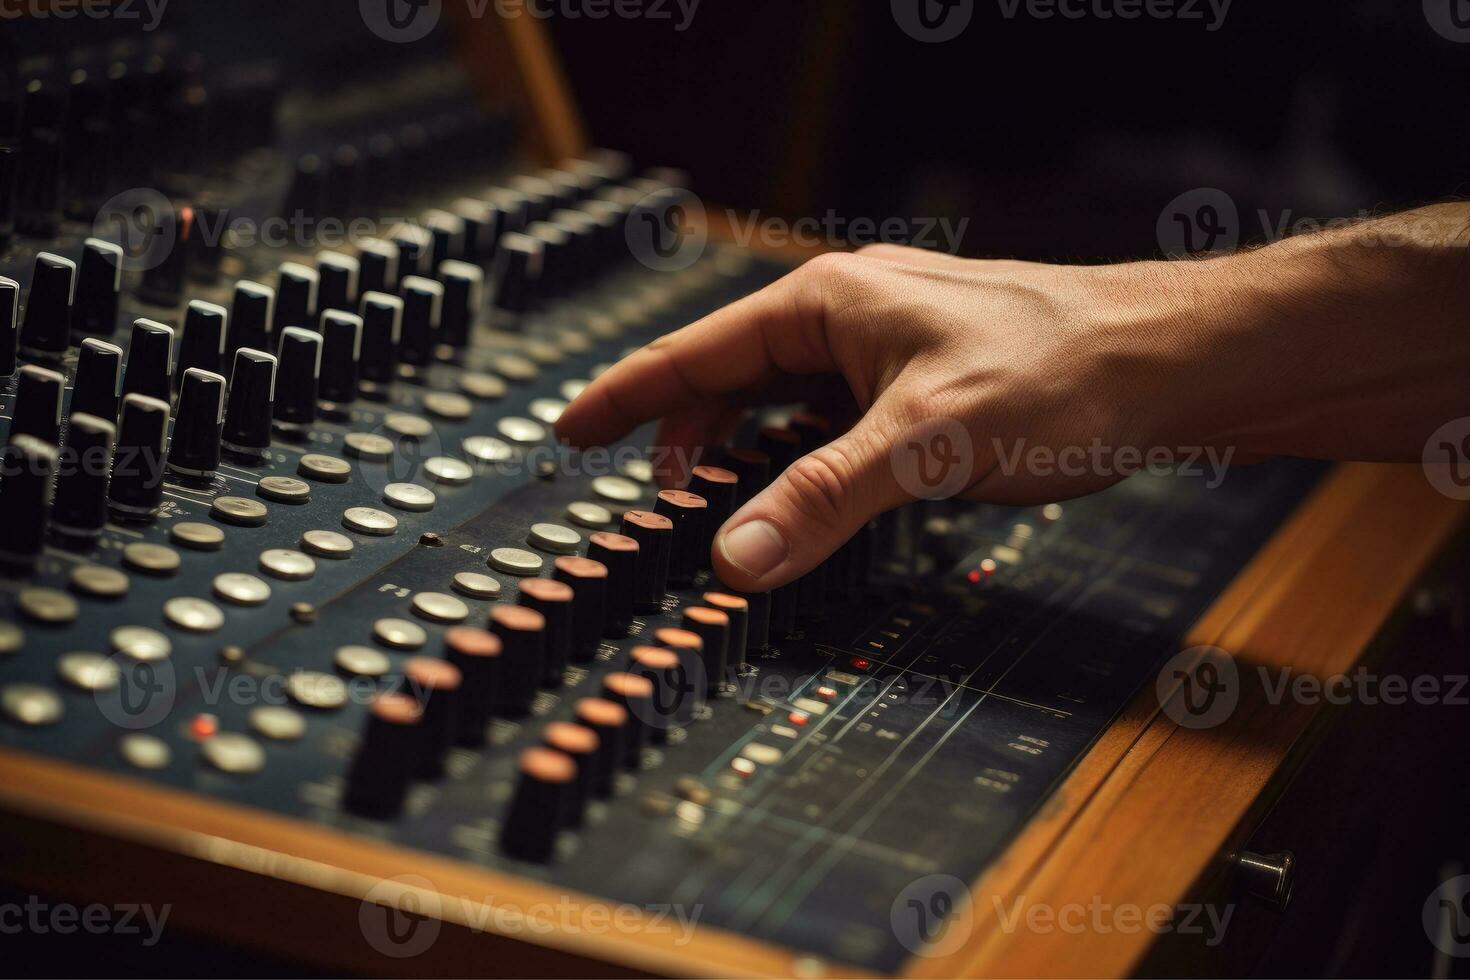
{"points": [[797, 718], [861, 663], [827, 692], [203, 726]]}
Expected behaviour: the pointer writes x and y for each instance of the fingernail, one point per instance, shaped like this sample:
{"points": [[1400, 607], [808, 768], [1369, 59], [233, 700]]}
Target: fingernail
{"points": [[755, 547]]}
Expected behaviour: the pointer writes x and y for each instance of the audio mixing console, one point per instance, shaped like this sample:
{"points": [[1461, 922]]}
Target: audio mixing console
{"points": [[342, 572]]}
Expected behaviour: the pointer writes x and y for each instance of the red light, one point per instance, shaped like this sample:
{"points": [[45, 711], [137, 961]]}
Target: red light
{"points": [[974, 576], [203, 726], [861, 663], [797, 718], [827, 692]]}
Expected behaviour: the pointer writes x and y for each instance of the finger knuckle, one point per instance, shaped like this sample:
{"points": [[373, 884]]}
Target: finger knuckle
{"points": [[821, 486]]}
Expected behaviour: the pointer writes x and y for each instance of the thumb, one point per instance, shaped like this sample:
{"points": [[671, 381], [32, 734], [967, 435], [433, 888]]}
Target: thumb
{"points": [[811, 509]]}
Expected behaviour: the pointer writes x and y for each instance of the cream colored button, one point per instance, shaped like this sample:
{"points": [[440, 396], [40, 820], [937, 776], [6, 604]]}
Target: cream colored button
{"points": [[617, 489], [328, 469], [99, 581], [440, 608], [239, 510], [285, 489], [155, 559], [487, 449], [30, 704], [327, 544], [638, 469], [448, 405], [241, 589], [556, 538], [515, 367], [286, 564], [368, 445], [409, 496], [574, 387], [12, 639], [408, 426], [517, 429], [276, 721], [476, 586], [144, 751], [50, 606], [543, 352], [316, 689], [369, 520], [140, 643], [234, 753], [588, 514], [88, 671], [516, 561], [547, 410], [486, 386], [194, 615], [448, 470], [200, 537], [401, 634], [362, 660]]}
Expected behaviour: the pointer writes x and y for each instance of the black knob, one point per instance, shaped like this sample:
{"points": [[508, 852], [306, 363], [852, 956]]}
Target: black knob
{"points": [[8, 179], [673, 696], [46, 331], [588, 581], [305, 199], [737, 608], [582, 233], [578, 743], [633, 694], [437, 684], [540, 197], [150, 357], [39, 162], [463, 297], [538, 810], [783, 609], [38, 394], [296, 295], [341, 349], [752, 469], [80, 507], [686, 511], [299, 365], [712, 626], [99, 282], [446, 237], [163, 281], [610, 722], [377, 266], [514, 208], [9, 325], [194, 448], [207, 242], [97, 384], [337, 277], [383, 766], [516, 269], [345, 174], [423, 305], [476, 653], [382, 324], [137, 460], [247, 430], [758, 627], [415, 249], [553, 600], [719, 487], [522, 633], [611, 220], [481, 228], [693, 674], [251, 312], [557, 273], [25, 499], [618, 553], [654, 534], [566, 188], [202, 344]]}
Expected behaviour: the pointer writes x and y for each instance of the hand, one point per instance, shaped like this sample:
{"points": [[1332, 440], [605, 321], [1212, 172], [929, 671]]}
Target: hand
{"points": [[1017, 355]]}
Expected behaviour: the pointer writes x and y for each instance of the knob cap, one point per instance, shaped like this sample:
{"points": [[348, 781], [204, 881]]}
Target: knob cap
{"points": [[476, 653], [654, 534], [341, 349], [337, 276], [99, 283], [195, 446], [137, 460], [437, 684], [618, 553], [737, 608], [299, 363], [415, 249], [25, 499], [97, 385], [423, 305], [46, 330], [635, 695], [202, 344], [673, 696], [719, 487], [382, 324], [252, 310], [587, 579], [686, 511], [150, 357], [38, 393], [694, 675], [380, 773], [247, 430], [712, 626], [296, 293], [553, 600], [80, 507], [377, 266], [9, 322], [578, 743], [515, 271], [610, 722], [536, 813], [522, 633], [463, 297]]}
